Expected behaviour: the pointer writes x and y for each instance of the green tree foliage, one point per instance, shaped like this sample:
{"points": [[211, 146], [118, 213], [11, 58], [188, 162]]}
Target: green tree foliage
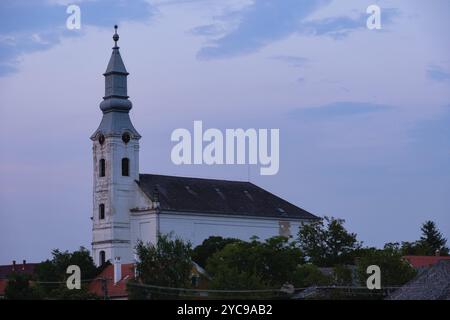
{"points": [[51, 274], [254, 265], [395, 271], [209, 246], [166, 264], [307, 275], [433, 238], [19, 288], [416, 248], [327, 243], [342, 275], [430, 241]]}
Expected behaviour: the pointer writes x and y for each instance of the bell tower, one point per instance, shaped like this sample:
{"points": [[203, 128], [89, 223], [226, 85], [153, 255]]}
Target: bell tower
{"points": [[116, 166]]}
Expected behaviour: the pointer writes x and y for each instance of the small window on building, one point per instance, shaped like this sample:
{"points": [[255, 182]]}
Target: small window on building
{"points": [[195, 281], [102, 258], [101, 211], [102, 167], [125, 167]]}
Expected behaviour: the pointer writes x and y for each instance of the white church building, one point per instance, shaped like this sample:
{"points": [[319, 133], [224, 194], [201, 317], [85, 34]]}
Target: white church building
{"points": [[131, 206]]}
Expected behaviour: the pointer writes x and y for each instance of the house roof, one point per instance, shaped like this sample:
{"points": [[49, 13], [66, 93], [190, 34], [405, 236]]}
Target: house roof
{"points": [[118, 290], [3, 284], [431, 284], [7, 270], [424, 261], [222, 197]]}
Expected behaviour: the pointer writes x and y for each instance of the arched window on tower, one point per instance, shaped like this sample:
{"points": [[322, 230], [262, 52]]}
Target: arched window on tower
{"points": [[101, 211], [125, 167], [102, 257], [102, 167]]}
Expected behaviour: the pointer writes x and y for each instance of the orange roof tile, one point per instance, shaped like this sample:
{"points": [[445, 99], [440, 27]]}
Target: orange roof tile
{"points": [[118, 290], [424, 261]]}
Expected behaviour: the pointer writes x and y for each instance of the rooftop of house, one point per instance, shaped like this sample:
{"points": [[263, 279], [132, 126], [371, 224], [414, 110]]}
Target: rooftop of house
{"points": [[114, 290], [9, 269], [24, 267], [221, 197], [3, 284], [424, 261], [431, 284]]}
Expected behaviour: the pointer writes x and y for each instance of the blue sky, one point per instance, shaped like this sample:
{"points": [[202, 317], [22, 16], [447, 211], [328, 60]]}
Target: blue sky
{"points": [[363, 114]]}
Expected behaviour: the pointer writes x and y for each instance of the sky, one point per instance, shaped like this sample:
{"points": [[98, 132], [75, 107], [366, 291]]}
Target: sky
{"points": [[364, 115]]}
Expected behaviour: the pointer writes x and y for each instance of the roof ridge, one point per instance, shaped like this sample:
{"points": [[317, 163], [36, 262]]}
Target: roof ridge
{"points": [[196, 178]]}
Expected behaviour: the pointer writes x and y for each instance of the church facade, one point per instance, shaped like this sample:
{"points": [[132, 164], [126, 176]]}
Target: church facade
{"points": [[129, 206]]}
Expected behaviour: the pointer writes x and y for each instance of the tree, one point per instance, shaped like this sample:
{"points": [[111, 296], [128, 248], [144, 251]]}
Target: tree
{"points": [[51, 274], [394, 270], [307, 275], [430, 241], [342, 275], [327, 243], [433, 238], [416, 248], [254, 265], [19, 288], [209, 246], [166, 263]]}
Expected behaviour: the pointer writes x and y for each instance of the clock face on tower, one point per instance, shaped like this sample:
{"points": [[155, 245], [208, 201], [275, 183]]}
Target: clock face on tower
{"points": [[101, 139], [126, 137]]}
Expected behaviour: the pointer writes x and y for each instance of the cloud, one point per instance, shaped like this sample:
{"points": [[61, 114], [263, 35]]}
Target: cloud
{"points": [[340, 27], [337, 27], [260, 23], [337, 109], [207, 30], [31, 26], [438, 74], [266, 21], [294, 61]]}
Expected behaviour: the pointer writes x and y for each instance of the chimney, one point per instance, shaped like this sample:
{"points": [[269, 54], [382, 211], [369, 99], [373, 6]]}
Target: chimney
{"points": [[14, 265], [23, 264], [135, 262], [117, 270], [437, 253]]}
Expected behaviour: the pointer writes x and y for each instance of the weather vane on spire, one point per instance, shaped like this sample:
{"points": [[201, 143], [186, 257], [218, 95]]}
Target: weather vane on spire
{"points": [[115, 36]]}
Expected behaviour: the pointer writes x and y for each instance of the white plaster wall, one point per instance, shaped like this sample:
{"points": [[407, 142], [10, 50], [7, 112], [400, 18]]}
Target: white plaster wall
{"points": [[144, 228], [197, 228], [144, 225], [118, 193]]}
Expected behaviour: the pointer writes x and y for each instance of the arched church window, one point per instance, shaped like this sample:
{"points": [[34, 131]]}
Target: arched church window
{"points": [[101, 211], [102, 167], [102, 257], [125, 167]]}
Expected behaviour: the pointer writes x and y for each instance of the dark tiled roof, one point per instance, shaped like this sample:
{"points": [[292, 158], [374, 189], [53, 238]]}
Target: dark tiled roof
{"points": [[431, 284], [238, 198]]}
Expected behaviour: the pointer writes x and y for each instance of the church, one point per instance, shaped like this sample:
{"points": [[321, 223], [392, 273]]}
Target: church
{"points": [[129, 206]]}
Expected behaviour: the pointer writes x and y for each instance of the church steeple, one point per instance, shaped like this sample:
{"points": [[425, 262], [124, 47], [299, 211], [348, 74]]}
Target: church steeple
{"points": [[115, 150], [115, 105], [116, 97]]}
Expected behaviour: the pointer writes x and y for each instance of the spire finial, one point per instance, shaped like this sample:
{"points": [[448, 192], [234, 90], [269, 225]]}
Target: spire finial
{"points": [[115, 36]]}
